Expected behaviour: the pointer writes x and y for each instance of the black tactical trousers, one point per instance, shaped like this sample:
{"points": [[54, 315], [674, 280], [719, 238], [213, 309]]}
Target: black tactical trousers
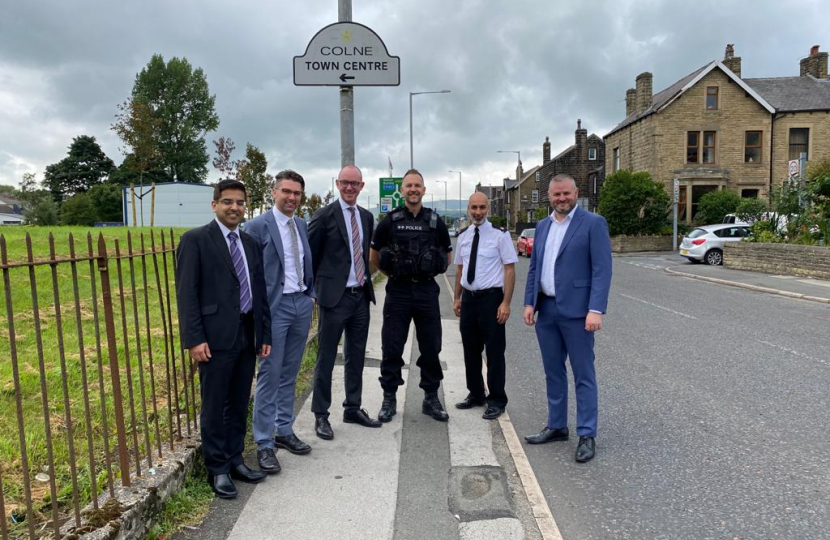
{"points": [[407, 301]]}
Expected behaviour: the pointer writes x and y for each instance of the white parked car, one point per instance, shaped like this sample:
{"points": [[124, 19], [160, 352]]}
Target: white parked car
{"points": [[706, 243]]}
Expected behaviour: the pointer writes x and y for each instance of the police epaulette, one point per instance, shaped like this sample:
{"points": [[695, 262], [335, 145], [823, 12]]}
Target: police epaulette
{"points": [[397, 214], [433, 220]]}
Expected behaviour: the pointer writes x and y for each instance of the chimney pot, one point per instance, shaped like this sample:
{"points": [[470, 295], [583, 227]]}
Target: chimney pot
{"points": [[546, 150], [644, 85], [814, 50], [630, 101]]}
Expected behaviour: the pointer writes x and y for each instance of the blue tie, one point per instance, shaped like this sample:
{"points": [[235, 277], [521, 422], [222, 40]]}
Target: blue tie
{"points": [[241, 274]]}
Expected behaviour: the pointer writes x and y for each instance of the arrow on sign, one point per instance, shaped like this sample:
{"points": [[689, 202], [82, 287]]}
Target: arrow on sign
{"points": [[344, 77]]}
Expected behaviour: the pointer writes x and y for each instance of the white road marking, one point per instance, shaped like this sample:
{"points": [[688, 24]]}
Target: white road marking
{"points": [[815, 282], [791, 351], [643, 265], [538, 504], [659, 307]]}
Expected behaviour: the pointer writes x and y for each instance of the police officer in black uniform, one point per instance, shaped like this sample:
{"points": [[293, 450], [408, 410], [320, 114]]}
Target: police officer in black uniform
{"points": [[411, 245]]}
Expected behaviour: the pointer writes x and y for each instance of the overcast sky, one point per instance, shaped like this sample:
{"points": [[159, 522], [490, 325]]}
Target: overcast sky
{"points": [[518, 71]]}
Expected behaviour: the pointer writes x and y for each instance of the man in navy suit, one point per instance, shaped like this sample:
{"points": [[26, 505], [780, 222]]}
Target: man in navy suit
{"points": [[291, 296], [568, 284]]}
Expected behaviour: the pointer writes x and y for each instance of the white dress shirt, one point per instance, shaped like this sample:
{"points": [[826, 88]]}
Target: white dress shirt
{"points": [[347, 215], [225, 232], [292, 280], [495, 249], [552, 244]]}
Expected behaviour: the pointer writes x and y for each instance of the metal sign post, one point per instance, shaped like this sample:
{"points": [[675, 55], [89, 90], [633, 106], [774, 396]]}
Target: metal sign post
{"points": [[676, 193]]}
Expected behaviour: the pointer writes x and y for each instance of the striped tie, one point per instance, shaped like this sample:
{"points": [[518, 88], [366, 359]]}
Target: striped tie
{"points": [[295, 250], [241, 274], [357, 251]]}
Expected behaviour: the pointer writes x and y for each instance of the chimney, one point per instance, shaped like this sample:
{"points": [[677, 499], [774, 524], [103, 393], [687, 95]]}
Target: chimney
{"points": [[643, 91], [546, 151], [581, 139], [815, 64], [731, 61], [630, 101], [519, 171]]}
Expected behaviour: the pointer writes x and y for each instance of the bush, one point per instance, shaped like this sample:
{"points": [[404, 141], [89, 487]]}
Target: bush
{"points": [[714, 206], [633, 203], [751, 210], [41, 209], [78, 210], [106, 201]]}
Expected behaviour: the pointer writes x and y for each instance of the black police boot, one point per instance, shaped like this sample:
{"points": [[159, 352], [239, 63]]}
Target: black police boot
{"points": [[432, 406], [387, 408]]}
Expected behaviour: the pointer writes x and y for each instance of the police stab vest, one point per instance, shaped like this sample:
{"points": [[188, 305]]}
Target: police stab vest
{"points": [[413, 250]]}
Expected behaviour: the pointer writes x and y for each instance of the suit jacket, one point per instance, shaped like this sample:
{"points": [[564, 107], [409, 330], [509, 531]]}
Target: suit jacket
{"points": [[266, 233], [331, 256], [582, 272], [207, 289]]}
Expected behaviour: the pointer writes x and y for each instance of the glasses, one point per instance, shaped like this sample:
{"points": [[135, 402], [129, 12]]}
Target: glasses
{"points": [[350, 183], [230, 202]]}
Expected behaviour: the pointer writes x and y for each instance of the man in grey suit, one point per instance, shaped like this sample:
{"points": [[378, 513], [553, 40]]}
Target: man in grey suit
{"points": [[339, 235], [290, 284]]}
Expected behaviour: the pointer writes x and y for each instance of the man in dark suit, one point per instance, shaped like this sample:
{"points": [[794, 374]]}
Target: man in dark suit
{"points": [[289, 280], [568, 284], [339, 236], [224, 322]]}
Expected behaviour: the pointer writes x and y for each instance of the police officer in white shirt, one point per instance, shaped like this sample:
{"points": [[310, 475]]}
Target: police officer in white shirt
{"points": [[486, 274]]}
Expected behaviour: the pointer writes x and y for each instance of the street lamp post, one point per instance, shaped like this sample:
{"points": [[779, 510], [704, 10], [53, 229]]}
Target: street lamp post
{"points": [[411, 153], [445, 195], [504, 196], [459, 187]]}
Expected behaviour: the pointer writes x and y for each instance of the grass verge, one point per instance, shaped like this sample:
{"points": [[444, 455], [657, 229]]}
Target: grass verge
{"points": [[187, 507]]}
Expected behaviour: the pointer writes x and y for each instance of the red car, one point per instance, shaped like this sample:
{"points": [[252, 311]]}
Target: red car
{"points": [[525, 243]]}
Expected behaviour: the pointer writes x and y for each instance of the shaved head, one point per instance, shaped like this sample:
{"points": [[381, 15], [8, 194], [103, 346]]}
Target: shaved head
{"points": [[478, 208]]}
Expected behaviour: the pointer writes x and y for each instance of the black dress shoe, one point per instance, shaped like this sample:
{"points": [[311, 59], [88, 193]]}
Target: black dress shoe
{"points": [[548, 435], [387, 408], [242, 473], [292, 444], [492, 412], [323, 428], [361, 417], [432, 406], [586, 449], [223, 486], [268, 461], [469, 402]]}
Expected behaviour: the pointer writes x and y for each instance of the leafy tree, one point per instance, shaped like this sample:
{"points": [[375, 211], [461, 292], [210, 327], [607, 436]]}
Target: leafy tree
{"points": [[129, 173], [138, 128], [751, 210], [38, 205], [314, 203], [714, 206], [223, 162], [251, 172], [9, 191], [185, 112], [633, 203], [85, 166], [541, 213], [78, 210], [106, 202], [328, 197]]}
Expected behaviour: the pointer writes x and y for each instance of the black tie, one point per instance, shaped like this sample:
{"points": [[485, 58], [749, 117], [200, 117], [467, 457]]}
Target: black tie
{"points": [[471, 269]]}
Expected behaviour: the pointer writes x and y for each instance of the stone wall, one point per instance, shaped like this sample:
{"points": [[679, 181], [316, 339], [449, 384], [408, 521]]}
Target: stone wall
{"points": [[630, 244], [787, 259]]}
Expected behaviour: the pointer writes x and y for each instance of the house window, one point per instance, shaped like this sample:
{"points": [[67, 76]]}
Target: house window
{"points": [[749, 193], [752, 147], [692, 147], [711, 98], [592, 154], [616, 159], [594, 182], [534, 196], [799, 138], [538, 176], [708, 147]]}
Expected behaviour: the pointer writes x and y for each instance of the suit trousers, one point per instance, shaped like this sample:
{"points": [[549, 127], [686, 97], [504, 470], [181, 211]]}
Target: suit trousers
{"points": [[408, 301], [225, 382], [277, 375], [351, 314], [562, 338], [481, 331]]}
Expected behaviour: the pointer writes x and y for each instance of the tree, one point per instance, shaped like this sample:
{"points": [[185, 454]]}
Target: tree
{"points": [[223, 162], [106, 202], [251, 172], [185, 111], [751, 210], [714, 206], [9, 191], [314, 203], [85, 166], [633, 203], [78, 210], [541, 213], [328, 197], [38, 205], [138, 128]]}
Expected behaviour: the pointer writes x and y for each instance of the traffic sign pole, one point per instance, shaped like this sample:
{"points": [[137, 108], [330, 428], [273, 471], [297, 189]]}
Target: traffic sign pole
{"points": [[676, 192], [344, 14]]}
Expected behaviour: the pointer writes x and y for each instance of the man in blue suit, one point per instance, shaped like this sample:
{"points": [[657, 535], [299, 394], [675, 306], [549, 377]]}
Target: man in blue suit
{"points": [[291, 297], [567, 284]]}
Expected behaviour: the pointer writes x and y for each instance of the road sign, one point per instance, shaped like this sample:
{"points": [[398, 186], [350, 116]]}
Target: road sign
{"points": [[390, 194], [347, 54], [676, 188], [794, 167]]}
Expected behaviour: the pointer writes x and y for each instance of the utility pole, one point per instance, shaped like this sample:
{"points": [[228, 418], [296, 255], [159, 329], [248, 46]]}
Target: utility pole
{"points": [[675, 192], [344, 14]]}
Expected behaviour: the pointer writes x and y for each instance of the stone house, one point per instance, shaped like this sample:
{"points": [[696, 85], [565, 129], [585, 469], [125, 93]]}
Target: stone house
{"points": [[519, 194], [714, 130], [495, 197]]}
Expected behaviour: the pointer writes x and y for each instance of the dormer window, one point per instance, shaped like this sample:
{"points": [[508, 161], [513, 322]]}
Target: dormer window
{"points": [[711, 98]]}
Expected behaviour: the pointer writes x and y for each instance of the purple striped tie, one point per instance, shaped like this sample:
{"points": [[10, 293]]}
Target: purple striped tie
{"points": [[357, 251], [241, 274]]}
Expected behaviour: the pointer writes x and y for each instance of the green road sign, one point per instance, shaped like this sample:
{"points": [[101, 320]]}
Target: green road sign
{"points": [[390, 194]]}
